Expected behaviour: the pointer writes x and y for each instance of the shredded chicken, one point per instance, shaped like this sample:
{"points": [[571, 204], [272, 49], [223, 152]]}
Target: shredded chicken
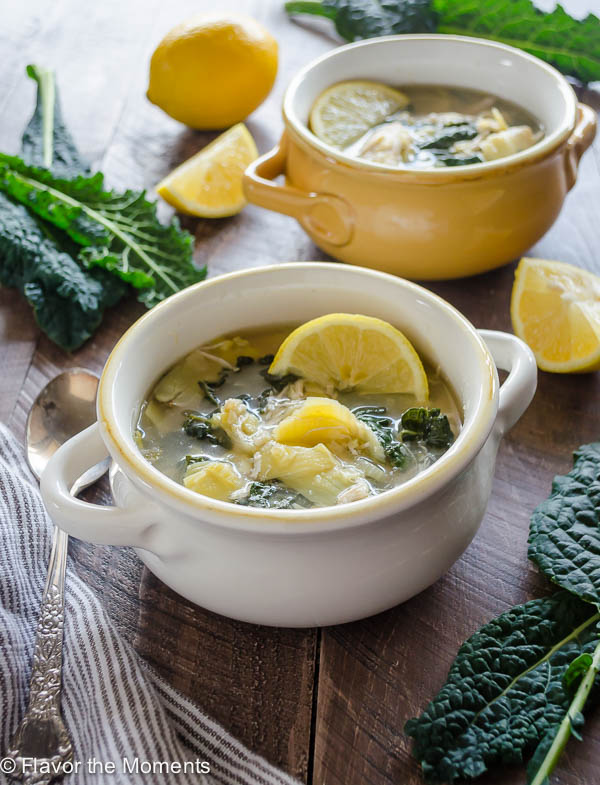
{"points": [[360, 490], [388, 144], [240, 425]]}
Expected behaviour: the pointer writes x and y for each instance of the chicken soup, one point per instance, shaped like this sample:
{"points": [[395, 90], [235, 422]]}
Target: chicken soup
{"points": [[421, 126], [339, 409]]}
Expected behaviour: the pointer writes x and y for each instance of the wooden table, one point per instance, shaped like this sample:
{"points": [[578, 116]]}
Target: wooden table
{"points": [[327, 705]]}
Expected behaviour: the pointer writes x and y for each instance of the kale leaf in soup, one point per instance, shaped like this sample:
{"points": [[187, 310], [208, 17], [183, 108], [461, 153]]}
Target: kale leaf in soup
{"points": [[224, 426]]}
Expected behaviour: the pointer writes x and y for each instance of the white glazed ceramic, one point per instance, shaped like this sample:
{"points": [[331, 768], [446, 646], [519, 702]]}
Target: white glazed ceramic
{"points": [[295, 567]]}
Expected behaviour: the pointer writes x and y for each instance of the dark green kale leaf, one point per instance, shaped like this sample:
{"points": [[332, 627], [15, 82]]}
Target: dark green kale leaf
{"points": [[118, 231], [274, 495], [46, 140], [355, 19], [199, 426], [40, 260], [68, 301], [572, 45], [427, 425], [505, 691], [564, 530]]}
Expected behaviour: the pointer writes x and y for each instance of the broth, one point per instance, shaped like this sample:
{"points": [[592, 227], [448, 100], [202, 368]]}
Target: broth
{"points": [[219, 405]]}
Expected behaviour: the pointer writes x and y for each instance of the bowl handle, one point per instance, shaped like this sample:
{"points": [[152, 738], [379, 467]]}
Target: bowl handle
{"points": [[516, 393], [92, 522], [581, 138], [326, 217]]}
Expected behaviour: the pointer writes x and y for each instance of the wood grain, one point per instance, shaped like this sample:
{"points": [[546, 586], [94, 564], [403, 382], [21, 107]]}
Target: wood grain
{"points": [[328, 706]]}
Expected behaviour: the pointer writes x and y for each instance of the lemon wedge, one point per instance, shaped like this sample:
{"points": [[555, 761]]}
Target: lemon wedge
{"points": [[326, 421], [209, 184], [555, 309], [352, 352], [345, 111]]}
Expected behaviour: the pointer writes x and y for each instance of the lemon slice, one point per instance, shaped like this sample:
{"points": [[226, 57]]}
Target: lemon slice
{"points": [[209, 184], [345, 111], [351, 351], [555, 308]]}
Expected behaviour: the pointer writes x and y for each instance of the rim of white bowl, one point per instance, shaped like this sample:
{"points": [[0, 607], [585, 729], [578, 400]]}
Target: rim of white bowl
{"points": [[539, 150], [274, 521]]}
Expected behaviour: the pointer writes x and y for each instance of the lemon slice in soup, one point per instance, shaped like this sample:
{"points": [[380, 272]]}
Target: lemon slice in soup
{"points": [[345, 111], [353, 352]]}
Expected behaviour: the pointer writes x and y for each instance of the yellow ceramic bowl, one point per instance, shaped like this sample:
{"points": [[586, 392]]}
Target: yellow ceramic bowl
{"points": [[436, 223]]}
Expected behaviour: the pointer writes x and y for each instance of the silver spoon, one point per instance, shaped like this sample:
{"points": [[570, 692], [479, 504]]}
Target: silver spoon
{"points": [[64, 407]]}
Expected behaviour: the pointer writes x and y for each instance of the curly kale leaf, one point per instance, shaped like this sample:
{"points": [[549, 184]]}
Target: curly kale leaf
{"points": [[572, 45], [564, 531], [118, 231], [505, 692], [68, 301], [356, 19]]}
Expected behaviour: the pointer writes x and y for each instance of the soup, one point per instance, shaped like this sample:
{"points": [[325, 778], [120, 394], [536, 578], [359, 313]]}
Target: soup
{"points": [[423, 126], [222, 425]]}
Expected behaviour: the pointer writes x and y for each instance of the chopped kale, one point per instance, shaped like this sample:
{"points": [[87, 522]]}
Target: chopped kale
{"points": [[427, 425], [384, 428], [208, 388], [278, 382], [447, 138], [243, 360], [262, 399], [208, 393], [266, 360], [274, 495], [199, 426], [458, 160], [190, 459]]}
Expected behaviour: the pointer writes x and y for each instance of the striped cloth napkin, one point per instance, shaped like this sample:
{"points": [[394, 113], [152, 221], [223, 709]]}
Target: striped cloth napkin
{"points": [[127, 724]]}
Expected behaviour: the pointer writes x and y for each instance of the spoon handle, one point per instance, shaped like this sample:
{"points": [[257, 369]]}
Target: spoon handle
{"points": [[41, 745]]}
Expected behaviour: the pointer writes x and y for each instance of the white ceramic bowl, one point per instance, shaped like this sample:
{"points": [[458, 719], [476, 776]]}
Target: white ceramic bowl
{"points": [[295, 567]]}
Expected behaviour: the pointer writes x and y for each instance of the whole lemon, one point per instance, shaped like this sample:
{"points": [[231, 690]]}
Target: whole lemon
{"points": [[212, 71]]}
